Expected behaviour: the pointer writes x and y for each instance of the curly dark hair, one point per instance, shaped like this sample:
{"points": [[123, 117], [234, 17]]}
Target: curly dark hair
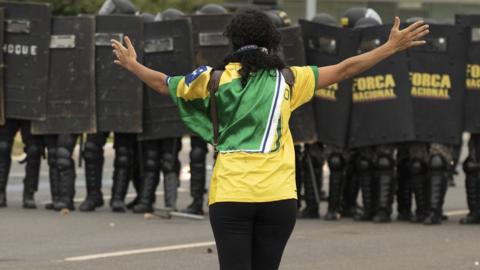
{"points": [[253, 27]]}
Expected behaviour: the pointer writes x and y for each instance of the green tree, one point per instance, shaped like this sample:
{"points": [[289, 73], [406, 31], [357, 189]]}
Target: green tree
{"points": [[73, 7]]}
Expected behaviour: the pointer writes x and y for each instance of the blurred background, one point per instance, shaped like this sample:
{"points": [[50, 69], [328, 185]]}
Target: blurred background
{"points": [[442, 10]]}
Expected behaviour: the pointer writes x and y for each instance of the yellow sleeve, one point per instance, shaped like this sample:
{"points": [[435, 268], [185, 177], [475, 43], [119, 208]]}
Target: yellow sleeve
{"points": [[305, 85], [192, 86]]}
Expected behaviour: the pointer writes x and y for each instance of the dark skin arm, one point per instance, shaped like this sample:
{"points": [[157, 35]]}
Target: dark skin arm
{"points": [[399, 40]]}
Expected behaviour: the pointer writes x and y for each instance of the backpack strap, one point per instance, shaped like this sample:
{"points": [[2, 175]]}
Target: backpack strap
{"points": [[212, 87], [289, 77]]}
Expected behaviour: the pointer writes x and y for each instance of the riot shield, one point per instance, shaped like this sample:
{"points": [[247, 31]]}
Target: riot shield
{"points": [[209, 43], [472, 95], [437, 74], [26, 48], [169, 48], [2, 90], [327, 45], [302, 122], [119, 93], [71, 91], [382, 111]]}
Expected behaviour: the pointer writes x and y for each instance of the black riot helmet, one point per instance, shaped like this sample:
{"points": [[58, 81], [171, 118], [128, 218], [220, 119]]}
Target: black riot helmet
{"points": [[352, 15], [169, 14], [117, 7], [211, 9], [147, 17], [366, 22], [279, 18], [325, 18]]}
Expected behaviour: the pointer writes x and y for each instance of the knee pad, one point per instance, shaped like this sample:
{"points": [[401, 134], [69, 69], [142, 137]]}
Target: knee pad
{"points": [[385, 163], [469, 166], [64, 159], [151, 160], [92, 152], [416, 167], [122, 157], [33, 151], [52, 156], [336, 162], [197, 155], [5, 148], [363, 164], [437, 163], [168, 162]]}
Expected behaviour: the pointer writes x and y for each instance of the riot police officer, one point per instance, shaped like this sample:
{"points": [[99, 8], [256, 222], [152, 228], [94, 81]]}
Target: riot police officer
{"points": [[199, 149], [33, 150]]}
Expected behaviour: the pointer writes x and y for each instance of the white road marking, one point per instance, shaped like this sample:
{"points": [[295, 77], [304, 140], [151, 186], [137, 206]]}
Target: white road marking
{"points": [[456, 213], [138, 251]]}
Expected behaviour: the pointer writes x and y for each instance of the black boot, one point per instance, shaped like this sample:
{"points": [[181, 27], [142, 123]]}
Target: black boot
{"points": [[121, 177], [385, 189], [312, 198], [349, 206], [197, 178], [93, 156], [404, 192], [145, 203], [366, 181], [170, 187], [32, 171], [472, 186], [437, 190], [336, 164], [54, 176], [5, 162], [66, 169], [418, 172]]}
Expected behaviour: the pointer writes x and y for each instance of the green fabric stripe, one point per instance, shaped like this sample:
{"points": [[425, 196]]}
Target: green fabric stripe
{"points": [[315, 73], [245, 111], [195, 113]]}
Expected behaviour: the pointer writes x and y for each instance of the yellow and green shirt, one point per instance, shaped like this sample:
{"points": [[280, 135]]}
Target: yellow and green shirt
{"points": [[256, 161]]}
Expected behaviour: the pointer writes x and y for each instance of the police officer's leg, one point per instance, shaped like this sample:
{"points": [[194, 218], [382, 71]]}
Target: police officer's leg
{"points": [[438, 170], [50, 142], [93, 156], [124, 147], [169, 150], [385, 173], [312, 197], [33, 149], [136, 175], [337, 165], [471, 167], [198, 175], [364, 168], [404, 189], [66, 168], [7, 134], [150, 176], [351, 187], [418, 170]]}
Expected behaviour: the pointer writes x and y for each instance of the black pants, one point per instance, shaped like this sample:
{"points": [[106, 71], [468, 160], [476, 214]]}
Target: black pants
{"points": [[252, 236]]}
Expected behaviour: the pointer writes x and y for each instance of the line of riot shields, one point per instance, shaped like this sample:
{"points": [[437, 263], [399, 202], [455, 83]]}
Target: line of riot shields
{"points": [[59, 78]]}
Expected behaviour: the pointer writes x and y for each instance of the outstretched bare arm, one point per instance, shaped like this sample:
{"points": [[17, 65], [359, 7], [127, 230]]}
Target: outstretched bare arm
{"points": [[127, 58], [399, 40]]}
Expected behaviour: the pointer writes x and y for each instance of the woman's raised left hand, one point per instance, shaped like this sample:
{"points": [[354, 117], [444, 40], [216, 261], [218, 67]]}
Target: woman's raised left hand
{"points": [[409, 37]]}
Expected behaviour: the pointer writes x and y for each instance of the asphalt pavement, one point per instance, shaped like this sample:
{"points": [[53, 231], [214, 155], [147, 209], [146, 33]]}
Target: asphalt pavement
{"points": [[42, 239]]}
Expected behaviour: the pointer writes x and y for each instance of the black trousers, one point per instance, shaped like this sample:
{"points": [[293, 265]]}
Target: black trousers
{"points": [[252, 236]]}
